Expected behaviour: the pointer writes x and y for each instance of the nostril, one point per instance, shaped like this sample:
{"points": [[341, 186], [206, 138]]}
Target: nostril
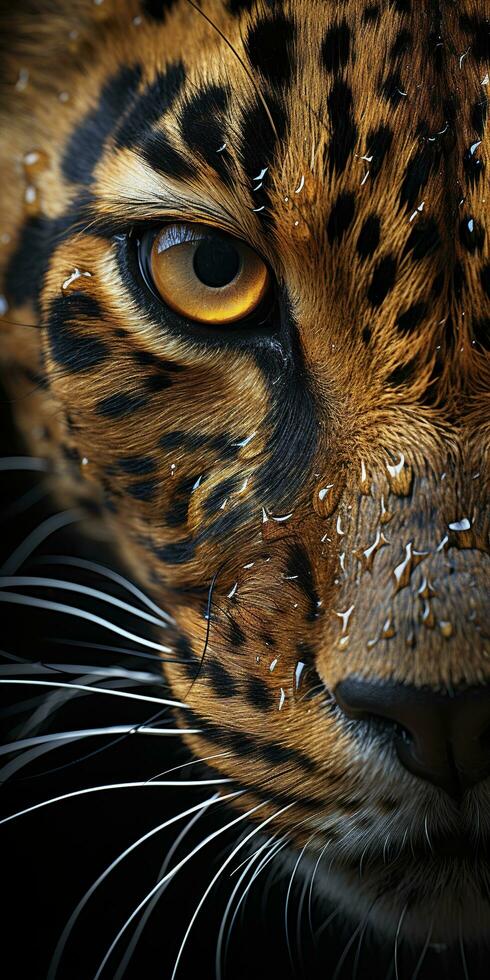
{"points": [[439, 737]]}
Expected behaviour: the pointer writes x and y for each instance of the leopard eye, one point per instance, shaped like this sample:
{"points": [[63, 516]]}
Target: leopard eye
{"points": [[203, 274]]}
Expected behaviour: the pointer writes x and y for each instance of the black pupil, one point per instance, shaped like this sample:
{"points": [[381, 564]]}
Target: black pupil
{"points": [[216, 262]]}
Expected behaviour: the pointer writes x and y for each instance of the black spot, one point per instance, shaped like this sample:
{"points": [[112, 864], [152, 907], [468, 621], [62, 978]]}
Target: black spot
{"points": [[402, 374], [157, 9], [378, 142], [341, 216], [237, 7], [227, 522], [336, 47], [143, 490], [424, 162], [459, 280], [306, 653], [156, 99], [383, 280], [471, 234], [220, 492], [203, 127], [178, 553], [392, 88], [159, 152], [29, 262], [485, 279], [268, 639], [221, 680], [86, 144], [344, 130], [177, 515], [473, 166], [259, 695], [369, 236], [157, 382], [423, 240], [366, 335], [137, 465], [481, 332], [259, 143], [401, 6], [370, 13], [70, 348], [438, 284], [119, 405], [299, 565], [401, 44], [480, 31], [236, 636], [269, 46], [183, 648], [479, 115], [410, 318]]}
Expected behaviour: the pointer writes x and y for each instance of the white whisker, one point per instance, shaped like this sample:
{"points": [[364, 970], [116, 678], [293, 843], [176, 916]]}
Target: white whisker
{"points": [[288, 897], [138, 676], [33, 581], [156, 898], [92, 566], [193, 762], [60, 946], [137, 784], [173, 871], [95, 690], [14, 463], [218, 874], [22, 600], [38, 535]]}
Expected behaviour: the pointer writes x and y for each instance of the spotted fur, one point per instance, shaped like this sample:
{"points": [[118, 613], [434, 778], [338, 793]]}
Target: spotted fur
{"points": [[287, 493]]}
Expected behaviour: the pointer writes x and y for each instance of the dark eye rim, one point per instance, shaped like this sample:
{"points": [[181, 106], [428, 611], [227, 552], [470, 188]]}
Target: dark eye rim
{"points": [[141, 240]]}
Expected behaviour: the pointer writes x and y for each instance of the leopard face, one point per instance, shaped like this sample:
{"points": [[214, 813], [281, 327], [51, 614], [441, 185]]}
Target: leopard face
{"points": [[305, 487]]}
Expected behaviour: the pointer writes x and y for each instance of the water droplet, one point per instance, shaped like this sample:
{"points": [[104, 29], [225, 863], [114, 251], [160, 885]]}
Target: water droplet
{"points": [[384, 516], [233, 591], [428, 618], [31, 200], [64, 96], [300, 666], [403, 572], [463, 525], [173, 467], [345, 616], [250, 564], [281, 518], [400, 477], [446, 628], [338, 528], [282, 699], [365, 485], [426, 590], [136, 21], [84, 461], [22, 80], [388, 630], [273, 664], [4, 307], [366, 556], [73, 277], [343, 641], [197, 484], [245, 442], [441, 546]]}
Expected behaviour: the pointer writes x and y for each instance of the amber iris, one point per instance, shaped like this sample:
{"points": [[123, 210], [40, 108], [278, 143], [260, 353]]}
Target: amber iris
{"points": [[205, 275]]}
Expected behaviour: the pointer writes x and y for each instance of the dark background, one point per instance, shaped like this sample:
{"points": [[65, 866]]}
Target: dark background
{"points": [[53, 855]]}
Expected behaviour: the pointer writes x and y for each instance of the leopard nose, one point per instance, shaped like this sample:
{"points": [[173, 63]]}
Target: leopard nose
{"points": [[441, 738]]}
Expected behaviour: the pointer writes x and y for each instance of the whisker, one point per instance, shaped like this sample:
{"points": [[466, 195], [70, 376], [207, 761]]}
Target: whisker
{"points": [[124, 651], [398, 930], [462, 952], [43, 531], [137, 784], [156, 898], [24, 502], [17, 463], [61, 944], [249, 862], [275, 849], [193, 762], [423, 954], [96, 690], [218, 874], [288, 897], [173, 871], [92, 566], [8, 581], [22, 600], [312, 881]]}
